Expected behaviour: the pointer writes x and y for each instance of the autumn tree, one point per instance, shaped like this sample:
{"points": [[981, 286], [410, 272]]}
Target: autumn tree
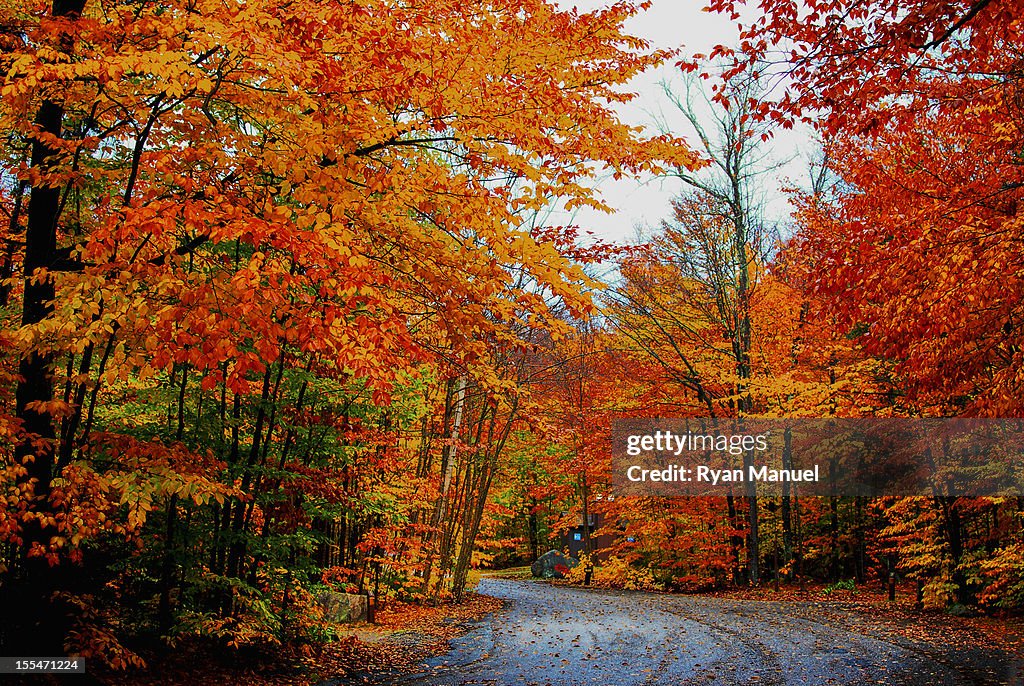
{"points": [[689, 307], [922, 110], [913, 252], [250, 234]]}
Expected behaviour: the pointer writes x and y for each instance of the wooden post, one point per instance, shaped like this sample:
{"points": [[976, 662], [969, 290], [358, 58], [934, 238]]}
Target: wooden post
{"points": [[892, 586], [371, 608]]}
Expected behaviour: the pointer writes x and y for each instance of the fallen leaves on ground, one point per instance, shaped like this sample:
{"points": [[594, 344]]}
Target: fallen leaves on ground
{"points": [[404, 635]]}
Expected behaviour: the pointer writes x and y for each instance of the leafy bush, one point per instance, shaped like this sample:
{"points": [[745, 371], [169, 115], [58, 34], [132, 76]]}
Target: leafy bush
{"points": [[616, 573], [1003, 576], [841, 585], [694, 583]]}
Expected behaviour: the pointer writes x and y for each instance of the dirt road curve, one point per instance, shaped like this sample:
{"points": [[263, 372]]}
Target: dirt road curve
{"points": [[559, 636]]}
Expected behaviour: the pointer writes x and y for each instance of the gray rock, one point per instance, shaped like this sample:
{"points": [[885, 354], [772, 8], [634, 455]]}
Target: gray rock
{"points": [[342, 607], [546, 565]]}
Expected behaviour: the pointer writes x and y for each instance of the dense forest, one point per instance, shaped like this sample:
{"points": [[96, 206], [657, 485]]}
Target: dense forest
{"points": [[281, 308]]}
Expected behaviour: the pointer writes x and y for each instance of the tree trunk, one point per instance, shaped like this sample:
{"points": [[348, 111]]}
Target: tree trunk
{"points": [[787, 505], [585, 497], [35, 625], [735, 541]]}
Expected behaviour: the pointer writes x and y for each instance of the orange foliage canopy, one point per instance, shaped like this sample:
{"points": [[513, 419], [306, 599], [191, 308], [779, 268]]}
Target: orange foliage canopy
{"points": [[373, 158], [915, 248]]}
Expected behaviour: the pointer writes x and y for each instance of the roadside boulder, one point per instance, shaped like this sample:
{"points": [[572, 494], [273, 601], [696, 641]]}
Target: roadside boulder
{"points": [[342, 607], [553, 565]]}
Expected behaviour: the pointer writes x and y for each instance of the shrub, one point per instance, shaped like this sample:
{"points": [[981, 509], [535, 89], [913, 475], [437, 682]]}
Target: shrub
{"points": [[842, 585], [617, 573]]}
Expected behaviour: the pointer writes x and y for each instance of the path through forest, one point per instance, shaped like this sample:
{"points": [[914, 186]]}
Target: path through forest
{"points": [[560, 636]]}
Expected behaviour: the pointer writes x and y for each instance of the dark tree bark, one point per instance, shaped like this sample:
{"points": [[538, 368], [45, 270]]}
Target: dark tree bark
{"points": [[787, 504], [35, 624]]}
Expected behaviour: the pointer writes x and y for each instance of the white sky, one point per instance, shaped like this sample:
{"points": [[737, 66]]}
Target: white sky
{"points": [[644, 203]]}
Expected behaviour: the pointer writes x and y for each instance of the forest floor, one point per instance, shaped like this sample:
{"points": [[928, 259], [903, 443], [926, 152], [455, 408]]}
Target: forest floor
{"points": [[403, 637], [560, 635]]}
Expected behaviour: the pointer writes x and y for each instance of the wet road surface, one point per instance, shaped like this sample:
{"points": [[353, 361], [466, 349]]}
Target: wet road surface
{"points": [[564, 636]]}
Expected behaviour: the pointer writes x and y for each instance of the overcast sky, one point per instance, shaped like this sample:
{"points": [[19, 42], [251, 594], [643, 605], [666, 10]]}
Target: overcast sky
{"points": [[644, 203]]}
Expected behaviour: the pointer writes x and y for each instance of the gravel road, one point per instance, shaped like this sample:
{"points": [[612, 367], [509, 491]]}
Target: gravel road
{"points": [[562, 636]]}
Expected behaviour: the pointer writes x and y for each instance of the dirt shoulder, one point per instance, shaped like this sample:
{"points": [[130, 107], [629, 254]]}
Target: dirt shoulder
{"points": [[403, 637], [899, 617]]}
